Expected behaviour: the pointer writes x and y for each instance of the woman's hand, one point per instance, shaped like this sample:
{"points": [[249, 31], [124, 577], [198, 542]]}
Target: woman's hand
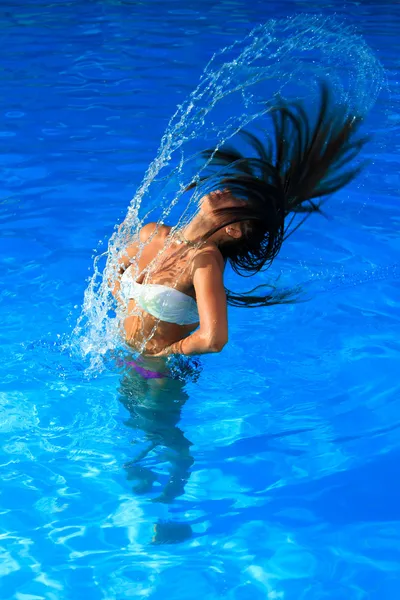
{"points": [[175, 348]]}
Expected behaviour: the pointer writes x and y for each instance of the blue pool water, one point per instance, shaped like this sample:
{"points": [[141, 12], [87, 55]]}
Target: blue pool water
{"points": [[292, 434]]}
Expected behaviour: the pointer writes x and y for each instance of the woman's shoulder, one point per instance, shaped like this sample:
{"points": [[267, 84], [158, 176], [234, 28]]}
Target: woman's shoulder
{"points": [[210, 251], [156, 230]]}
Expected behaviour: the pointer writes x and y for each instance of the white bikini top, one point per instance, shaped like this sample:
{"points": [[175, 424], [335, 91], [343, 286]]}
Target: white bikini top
{"points": [[160, 301]]}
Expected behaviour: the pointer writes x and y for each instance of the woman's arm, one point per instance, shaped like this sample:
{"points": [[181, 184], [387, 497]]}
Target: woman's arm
{"points": [[212, 335]]}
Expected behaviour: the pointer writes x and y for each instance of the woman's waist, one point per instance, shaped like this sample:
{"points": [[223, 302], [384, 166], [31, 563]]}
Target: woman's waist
{"points": [[148, 335]]}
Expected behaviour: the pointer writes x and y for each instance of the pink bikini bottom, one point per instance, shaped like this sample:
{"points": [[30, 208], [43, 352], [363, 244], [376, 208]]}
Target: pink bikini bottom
{"points": [[145, 373]]}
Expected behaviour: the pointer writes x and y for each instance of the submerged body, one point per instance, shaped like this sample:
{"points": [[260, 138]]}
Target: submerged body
{"points": [[170, 282]]}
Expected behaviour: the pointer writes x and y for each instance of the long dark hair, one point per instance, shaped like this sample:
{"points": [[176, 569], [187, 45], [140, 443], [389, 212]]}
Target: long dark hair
{"points": [[297, 166]]}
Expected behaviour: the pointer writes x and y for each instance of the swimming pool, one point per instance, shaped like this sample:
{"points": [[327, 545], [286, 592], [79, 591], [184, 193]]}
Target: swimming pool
{"points": [[293, 429]]}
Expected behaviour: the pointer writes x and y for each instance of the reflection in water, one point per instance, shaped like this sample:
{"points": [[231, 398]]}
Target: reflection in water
{"points": [[154, 407]]}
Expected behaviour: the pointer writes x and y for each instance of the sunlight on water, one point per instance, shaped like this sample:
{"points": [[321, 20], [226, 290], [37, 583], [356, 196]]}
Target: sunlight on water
{"points": [[282, 57]]}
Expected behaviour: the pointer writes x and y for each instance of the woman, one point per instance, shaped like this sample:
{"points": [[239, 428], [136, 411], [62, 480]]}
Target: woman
{"points": [[174, 295]]}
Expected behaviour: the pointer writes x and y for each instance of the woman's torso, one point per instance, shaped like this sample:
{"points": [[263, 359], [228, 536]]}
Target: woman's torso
{"points": [[172, 268]]}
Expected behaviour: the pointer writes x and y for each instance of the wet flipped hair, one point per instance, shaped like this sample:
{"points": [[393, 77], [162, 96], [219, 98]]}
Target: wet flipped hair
{"points": [[298, 165]]}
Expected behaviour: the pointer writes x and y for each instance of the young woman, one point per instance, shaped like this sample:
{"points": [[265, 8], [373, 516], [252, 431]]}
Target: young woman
{"points": [[174, 294]]}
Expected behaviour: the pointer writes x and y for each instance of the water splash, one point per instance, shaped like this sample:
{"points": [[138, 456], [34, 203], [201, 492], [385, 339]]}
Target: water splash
{"points": [[282, 57]]}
